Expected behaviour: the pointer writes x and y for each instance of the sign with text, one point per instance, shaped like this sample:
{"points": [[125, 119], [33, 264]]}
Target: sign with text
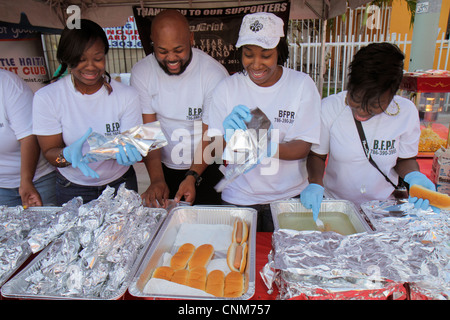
{"points": [[215, 30], [21, 52], [126, 37]]}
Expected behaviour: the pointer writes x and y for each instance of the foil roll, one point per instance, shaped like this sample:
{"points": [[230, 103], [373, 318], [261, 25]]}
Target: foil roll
{"points": [[145, 137], [414, 250], [246, 148]]}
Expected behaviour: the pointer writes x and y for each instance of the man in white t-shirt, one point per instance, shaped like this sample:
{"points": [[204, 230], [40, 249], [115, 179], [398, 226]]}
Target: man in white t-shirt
{"points": [[26, 178], [389, 131], [174, 83]]}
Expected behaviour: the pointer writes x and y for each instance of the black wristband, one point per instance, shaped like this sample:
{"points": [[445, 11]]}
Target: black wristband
{"points": [[197, 177]]}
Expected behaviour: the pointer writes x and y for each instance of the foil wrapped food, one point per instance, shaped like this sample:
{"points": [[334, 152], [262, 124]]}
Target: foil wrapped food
{"points": [[414, 250], [246, 148], [27, 231], [96, 255], [145, 138]]}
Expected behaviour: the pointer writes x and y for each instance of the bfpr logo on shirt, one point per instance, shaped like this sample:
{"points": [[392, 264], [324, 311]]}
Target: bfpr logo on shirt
{"points": [[112, 129], [194, 113], [383, 147], [285, 116]]}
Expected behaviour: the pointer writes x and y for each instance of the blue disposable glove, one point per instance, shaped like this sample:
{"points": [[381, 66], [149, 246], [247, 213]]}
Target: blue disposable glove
{"points": [[236, 120], [128, 156], [415, 177], [311, 198], [73, 155]]}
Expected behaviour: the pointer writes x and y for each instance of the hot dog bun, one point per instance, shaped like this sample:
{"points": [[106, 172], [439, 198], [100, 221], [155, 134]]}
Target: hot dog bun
{"points": [[437, 199], [234, 285], [180, 259], [237, 257], [215, 283], [197, 278], [163, 272], [201, 257], [180, 276], [240, 231]]}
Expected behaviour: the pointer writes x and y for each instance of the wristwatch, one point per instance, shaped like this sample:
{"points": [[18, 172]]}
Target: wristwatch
{"points": [[61, 161], [198, 179]]}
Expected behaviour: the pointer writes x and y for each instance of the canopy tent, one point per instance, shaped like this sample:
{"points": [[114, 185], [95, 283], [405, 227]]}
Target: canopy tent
{"points": [[52, 14], [113, 13]]}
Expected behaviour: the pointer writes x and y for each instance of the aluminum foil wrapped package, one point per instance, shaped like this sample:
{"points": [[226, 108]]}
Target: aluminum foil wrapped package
{"points": [[303, 261], [246, 148], [145, 137], [27, 231], [41, 235], [95, 257]]}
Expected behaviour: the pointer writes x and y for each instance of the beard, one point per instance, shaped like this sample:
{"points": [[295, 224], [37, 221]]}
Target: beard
{"points": [[182, 68]]}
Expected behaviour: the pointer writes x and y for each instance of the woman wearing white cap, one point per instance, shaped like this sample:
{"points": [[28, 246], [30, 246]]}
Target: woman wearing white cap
{"points": [[288, 98]]}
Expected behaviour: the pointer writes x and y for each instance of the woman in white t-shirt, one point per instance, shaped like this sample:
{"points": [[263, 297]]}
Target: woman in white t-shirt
{"points": [[391, 131], [26, 178], [288, 98], [66, 111]]}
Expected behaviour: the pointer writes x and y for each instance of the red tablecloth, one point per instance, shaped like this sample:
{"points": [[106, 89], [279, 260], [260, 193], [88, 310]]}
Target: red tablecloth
{"points": [[425, 165]]}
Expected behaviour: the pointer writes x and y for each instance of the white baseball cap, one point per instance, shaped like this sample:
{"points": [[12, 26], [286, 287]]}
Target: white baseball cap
{"points": [[262, 29]]}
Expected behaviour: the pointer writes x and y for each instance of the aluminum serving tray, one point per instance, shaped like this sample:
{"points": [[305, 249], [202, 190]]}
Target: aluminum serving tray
{"points": [[165, 239], [27, 253], [329, 206], [16, 287]]}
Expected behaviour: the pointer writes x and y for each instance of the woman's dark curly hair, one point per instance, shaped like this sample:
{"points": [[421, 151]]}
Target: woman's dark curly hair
{"points": [[282, 50], [375, 69], [74, 42]]}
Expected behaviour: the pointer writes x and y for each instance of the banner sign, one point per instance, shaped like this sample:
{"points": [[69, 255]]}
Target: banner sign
{"points": [[126, 37], [21, 52], [215, 30]]}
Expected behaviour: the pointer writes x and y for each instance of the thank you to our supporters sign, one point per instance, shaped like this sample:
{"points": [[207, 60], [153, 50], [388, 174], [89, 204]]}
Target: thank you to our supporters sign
{"points": [[215, 29]]}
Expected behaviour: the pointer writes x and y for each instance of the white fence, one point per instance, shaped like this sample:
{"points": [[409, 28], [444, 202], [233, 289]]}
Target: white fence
{"points": [[347, 36]]}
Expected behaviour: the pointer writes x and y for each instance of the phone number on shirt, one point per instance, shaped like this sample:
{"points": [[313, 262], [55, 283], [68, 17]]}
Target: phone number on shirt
{"points": [[284, 120], [383, 152]]}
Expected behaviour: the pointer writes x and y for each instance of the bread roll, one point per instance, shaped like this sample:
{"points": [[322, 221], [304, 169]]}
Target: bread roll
{"points": [[215, 283], [240, 231], [237, 257], [163, 272], [197, 278], [201, 257], [180, 259], [234, 285], [180, 276], [437, 199]]}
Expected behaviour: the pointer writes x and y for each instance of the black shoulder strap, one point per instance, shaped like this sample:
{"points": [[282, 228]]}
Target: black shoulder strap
{"points": [[366, 148]]}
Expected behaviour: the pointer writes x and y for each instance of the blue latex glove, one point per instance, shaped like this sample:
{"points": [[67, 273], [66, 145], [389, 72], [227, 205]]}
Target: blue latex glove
{"points": [[73, 154], [311, 198], [236, 120], [415, 177], [128, 156]]}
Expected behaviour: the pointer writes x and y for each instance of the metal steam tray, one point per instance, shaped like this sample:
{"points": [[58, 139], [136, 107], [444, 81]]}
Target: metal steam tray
{"points": [[164, 242], [328, 207]]}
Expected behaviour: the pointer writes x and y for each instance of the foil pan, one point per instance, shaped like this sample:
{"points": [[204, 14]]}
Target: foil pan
{"points": [[327, 208], [24, 232], [97, 257], [414, 250], [165, 242]]}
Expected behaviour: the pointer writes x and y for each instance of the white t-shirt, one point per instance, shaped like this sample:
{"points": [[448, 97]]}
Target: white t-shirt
{"points": [[60, 108], [349, 174], [293, 106], [178, 102], [16, 100]]}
